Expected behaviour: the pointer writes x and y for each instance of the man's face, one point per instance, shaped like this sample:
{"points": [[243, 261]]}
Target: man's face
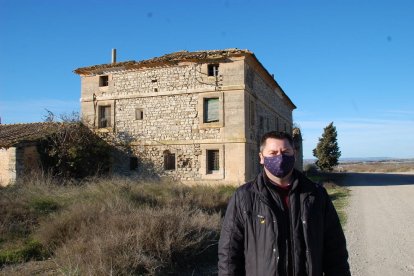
{"points": [[276, 147]]}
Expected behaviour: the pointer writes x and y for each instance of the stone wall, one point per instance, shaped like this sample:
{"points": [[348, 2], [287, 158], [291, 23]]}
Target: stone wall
{"points": [[7, 166], [171, 99], [264, 99], [172, 117], [265, 91], [187, 165], [186, 77], [18, 161]]}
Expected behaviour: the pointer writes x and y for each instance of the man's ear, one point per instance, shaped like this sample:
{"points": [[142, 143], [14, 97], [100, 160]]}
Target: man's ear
{"points": [[261, 158]]}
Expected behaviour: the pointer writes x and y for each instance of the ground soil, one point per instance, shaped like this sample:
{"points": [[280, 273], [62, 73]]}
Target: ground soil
{"points": [[380, 226]]}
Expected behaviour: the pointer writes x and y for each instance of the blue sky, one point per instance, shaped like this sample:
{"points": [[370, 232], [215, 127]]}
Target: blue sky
{"points": [[350, 62]]}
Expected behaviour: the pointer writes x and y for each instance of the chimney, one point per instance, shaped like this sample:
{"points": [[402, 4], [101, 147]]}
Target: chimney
{"points": [[114, 55]]}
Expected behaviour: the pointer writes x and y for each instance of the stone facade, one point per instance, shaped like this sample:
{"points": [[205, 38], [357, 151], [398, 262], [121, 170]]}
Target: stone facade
{"points": [[18, 161], [7, 166], [159, 108], [18, 149]]}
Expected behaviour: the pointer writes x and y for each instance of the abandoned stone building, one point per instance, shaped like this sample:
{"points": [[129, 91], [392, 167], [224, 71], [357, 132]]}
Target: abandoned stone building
{"points": [[195, 116], [18, 149]]}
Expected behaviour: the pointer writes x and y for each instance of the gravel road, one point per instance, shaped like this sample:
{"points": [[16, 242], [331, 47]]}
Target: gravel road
{"points": [[380, 226]]}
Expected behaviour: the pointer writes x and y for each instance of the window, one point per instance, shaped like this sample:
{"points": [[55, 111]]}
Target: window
{"points": [[104, 116], [213, 161], [213, 70], [277, 124], [103, 81], [133, 163], [169, 161], [285, 127], [155, 89], [260, 122], [252, 113], [139, 114], [211, 110]]}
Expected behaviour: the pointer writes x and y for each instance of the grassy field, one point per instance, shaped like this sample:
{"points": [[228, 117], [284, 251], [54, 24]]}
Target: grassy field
{"points": [[339, 196], [387, 167], [115, 226], [111, 226]]}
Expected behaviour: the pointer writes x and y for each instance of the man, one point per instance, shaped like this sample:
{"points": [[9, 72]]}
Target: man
{"points": [[281, 223]]}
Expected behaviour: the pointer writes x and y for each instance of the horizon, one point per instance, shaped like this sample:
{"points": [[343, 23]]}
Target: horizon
{"points": [[350, 63]]}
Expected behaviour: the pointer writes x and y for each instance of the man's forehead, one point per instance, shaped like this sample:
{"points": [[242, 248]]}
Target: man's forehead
{"points": [[274, 142]]}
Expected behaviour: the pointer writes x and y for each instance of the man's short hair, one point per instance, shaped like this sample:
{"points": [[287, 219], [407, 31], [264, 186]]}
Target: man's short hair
{"points": [[276, 135]]}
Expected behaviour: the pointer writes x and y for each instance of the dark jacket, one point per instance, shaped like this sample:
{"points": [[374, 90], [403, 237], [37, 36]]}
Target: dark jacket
{"points": [[253, 240]]}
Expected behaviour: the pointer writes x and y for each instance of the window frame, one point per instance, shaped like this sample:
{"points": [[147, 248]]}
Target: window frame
{"points": [[201, 110], [141, 112], [168, 156], [205, 110], [104, 81], [99, 104], [216, 156], [204, 172], [101, 110], [213, 70]]}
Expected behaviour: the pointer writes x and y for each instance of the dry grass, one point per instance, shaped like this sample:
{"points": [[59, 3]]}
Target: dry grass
{"points": [[111, 226], [339, 196], [376, 167]]}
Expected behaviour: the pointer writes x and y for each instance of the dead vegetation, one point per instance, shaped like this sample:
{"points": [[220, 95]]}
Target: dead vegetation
{"points": [[112, 226], [376, 167]]}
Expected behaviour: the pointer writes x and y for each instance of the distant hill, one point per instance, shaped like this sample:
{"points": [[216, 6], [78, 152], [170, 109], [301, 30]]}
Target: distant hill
{"points": [[364, 159]]}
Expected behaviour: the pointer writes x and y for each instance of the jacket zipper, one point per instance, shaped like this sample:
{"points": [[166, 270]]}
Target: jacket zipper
{"points": [[262, 199], [291, 236], [305, 226], [290, 227]]}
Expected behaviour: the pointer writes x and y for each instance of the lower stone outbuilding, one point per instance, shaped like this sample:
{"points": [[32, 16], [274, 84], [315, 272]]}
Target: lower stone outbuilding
{"points": [[18, 149]]}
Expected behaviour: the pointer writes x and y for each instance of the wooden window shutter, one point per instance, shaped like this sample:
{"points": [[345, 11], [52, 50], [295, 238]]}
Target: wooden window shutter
{"points": [[104, 116], [108, 115], [211, 110]]}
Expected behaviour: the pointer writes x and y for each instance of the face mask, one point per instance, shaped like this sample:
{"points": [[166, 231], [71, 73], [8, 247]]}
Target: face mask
{"points": [[279, 165]]}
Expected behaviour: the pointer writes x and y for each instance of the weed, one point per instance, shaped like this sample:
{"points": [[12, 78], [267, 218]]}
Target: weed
{"points": [[32, 249], [43, 205]]}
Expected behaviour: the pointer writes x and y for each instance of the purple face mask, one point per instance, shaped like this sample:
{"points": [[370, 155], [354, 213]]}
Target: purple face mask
{"points": [[279, 165]]}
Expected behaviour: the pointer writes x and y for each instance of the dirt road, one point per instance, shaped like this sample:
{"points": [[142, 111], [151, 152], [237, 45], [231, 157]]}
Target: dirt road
{"points": [[380, 226]]}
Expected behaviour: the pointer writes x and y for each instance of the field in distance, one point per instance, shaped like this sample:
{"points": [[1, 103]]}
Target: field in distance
{"points": [[383, 164]]}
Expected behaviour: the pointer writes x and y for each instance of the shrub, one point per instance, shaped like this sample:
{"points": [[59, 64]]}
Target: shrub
{"points": [[113, 225], [310, 169], [123, 240], [32, 250], [74, 151], [16, 218]]}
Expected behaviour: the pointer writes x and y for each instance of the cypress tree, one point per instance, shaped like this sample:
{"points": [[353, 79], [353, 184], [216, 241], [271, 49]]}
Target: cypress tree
{"points": [[327, 150]]}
